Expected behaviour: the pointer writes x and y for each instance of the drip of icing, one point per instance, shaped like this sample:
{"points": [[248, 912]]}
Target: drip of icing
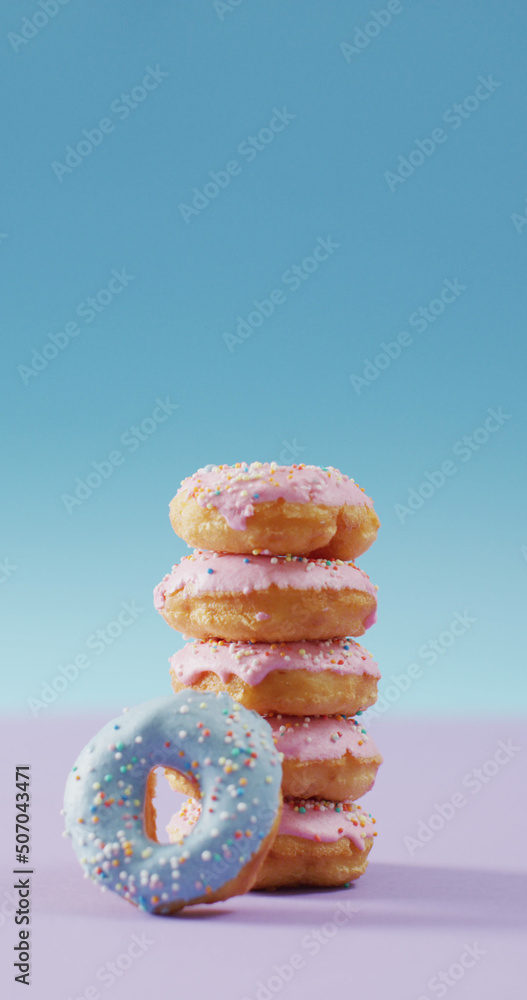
{"points": [[327, 737], [204, 572], [234, 490], [253, 661]]}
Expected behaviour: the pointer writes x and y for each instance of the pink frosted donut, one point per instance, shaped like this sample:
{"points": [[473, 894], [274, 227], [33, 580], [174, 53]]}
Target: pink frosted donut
{"points": [[319, 842], [299, 678], [297, 509], [266, 598], [329, 757], [326, 757]]}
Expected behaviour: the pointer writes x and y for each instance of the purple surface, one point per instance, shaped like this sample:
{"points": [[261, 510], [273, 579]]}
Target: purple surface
{"points": [[406, 921]]}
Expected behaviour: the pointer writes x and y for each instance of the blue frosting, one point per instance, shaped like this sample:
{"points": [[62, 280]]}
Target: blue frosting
{"points": [[226, 748]]}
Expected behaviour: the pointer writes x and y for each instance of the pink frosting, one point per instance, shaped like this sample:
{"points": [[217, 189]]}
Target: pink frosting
{"points": [[252, 661], [183, 821], [234, 489], [326, 821], [204, 572], [321, 738], [320, 820]]}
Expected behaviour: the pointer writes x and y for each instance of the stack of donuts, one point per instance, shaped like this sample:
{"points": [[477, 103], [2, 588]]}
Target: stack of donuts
{"points": [[272, 600]]}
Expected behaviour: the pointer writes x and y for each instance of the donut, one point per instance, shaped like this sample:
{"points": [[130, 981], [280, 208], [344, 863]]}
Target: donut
{"points": [[296, 678], [326, 757], [265, 598], [110, 816], [296, 509], [319, 843]]}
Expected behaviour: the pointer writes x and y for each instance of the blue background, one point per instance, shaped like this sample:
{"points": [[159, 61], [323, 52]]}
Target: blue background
{"points": [[289, 383]]}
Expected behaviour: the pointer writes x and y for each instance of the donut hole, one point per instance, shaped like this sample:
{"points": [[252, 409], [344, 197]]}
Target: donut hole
{"points": [[162, 802]]}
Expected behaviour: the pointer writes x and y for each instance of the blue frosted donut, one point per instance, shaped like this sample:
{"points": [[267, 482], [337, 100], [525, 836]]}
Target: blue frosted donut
{"points": [[227, 749]]}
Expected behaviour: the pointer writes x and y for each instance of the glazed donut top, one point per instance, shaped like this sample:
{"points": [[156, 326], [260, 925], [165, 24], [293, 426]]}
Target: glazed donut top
{"points": [[310, 819], [204, 572], [227, 749], [323, 821], [234, 489], [253, 661], [323, 737]]}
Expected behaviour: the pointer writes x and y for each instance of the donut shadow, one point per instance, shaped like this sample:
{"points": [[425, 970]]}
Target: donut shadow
{"points": [[206, 911], [399, 895], [388, 896]]}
